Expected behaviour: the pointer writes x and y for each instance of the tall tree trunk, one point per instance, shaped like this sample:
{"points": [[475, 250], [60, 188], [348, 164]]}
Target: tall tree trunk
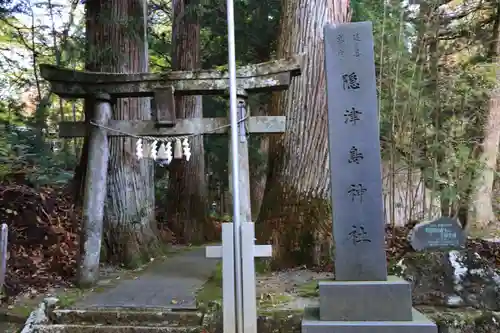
{"points": [[295, 213], [436, 156], [481, 215], [262, 49], [187, 211], [116, 42]]}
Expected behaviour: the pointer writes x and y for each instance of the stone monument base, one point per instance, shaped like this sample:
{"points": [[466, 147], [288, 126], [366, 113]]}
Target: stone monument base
{"points": [[366, 307], [363, 300], [418, 324]]}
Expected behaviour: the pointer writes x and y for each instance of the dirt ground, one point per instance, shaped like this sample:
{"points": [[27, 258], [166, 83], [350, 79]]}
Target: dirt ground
{"points": [[290, 281], [291, 289]]}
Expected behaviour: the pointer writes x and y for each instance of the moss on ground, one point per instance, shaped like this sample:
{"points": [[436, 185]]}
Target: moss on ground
{"points": [[212, 289], [262, 265], [71, 296], [270, 301], [9, 327], [308, 289]]}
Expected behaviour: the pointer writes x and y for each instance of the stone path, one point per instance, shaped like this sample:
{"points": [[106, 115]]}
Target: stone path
{"points": [[171, 283]]}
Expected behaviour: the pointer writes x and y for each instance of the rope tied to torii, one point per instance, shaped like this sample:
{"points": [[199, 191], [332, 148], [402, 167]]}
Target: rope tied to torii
{"points": [[163, 149]]}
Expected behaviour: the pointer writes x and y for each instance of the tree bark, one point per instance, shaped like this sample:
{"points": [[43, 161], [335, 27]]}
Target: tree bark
{"points": [[187, 211], [295, 214], [261, 51], [481, 215], [116, 42]]}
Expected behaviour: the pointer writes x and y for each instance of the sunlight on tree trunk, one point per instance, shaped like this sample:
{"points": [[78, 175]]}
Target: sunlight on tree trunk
{"points": [[295, 213], [117, 43], [187, 211], [481, 215]]}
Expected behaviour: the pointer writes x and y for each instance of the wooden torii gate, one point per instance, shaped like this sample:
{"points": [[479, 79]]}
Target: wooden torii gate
{"points": [[103, 88]]}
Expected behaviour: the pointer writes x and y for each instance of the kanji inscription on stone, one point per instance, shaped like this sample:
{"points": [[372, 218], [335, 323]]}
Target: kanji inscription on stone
{"points": [[355, 161]]}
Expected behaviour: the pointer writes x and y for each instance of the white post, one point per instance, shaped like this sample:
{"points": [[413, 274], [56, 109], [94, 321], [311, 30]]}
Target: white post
{"points": [[228, 281], [4, 255], [248, 274], [233, 115], [250, 251]]}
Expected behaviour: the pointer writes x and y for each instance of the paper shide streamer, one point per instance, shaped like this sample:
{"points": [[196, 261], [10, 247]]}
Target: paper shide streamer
{"points": [[162, 151]]}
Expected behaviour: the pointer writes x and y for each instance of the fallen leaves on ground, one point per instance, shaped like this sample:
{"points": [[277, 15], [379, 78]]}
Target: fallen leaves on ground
{"points": [[397, 244], [43, 237]]}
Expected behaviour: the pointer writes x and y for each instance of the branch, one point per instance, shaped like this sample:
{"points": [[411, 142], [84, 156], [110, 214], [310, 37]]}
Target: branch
{"points": [[163, 7], [33, 48]]}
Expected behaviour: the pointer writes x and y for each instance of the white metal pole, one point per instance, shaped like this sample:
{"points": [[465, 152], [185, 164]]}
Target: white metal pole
{"points": [[233, 114]]}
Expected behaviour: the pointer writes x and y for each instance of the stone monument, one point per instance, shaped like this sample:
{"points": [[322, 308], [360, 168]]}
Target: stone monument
{"points": [[443, 233], [362, 298]]}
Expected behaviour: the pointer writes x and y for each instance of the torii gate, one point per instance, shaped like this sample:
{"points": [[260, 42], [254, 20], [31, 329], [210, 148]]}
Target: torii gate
{"points": [[238, 248]]}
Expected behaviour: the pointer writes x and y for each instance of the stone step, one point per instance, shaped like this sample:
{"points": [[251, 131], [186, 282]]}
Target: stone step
{"points": [[418, 324], [121, 317], [362, 300], [113, 329]]}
